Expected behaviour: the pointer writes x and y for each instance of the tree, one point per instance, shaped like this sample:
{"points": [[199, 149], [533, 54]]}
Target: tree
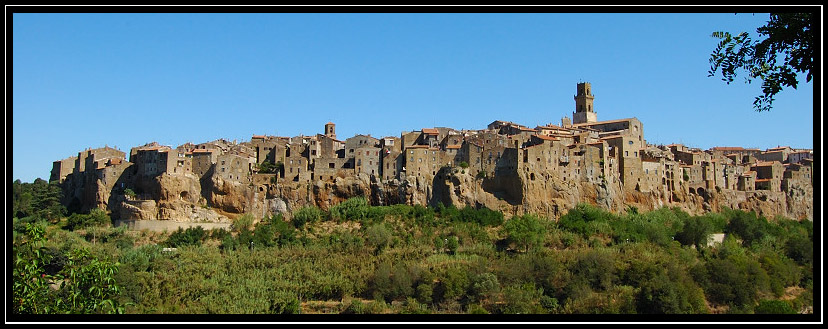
{"points": [[526, 230], [787, 34], [695, 232]]}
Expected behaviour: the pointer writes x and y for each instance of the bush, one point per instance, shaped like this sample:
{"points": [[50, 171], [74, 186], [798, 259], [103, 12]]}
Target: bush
{"points": [[192, 236], [96, 217], [747, 226], [774, 307], [353, 209], [378, 236], [800, 249], [696, 230], [305, 215], [242, 223], [526, 230]]}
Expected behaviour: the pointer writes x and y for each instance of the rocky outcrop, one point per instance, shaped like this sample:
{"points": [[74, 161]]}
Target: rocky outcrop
{"points": [[185, 198]]}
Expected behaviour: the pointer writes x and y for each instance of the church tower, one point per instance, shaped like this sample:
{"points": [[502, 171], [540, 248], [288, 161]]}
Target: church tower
{"points": [[330, 130], [584, 112]]}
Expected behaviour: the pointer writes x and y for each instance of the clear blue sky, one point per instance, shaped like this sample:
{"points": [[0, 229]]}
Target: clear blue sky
{"points": [[90, 80]]}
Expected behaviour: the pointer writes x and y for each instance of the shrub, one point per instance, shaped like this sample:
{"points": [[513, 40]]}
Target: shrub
{"points": [[378, 236], [243, 222], [284, 305], [774, 307], [305, 215], [192, 236], [484, 285], [800, 249], [353, 209], [453, 284], [596, 268], [96, 217], [526, 230], [747, 226], [695, 232]]}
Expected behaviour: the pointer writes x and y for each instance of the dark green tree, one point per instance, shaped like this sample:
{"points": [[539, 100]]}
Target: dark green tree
{"points": [[525, 231], [787, 37], [695, 232]]}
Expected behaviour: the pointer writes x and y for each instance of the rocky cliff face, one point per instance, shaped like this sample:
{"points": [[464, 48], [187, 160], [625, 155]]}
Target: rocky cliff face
{"points": [[213, 199]]}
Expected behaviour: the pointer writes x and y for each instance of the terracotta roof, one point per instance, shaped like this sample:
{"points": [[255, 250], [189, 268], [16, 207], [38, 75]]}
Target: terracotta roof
{"points": [[417, 147], [764, 164], [203, 151], [763, 180], [453, 146], [259, 136], [728, 148], [430, 131], [548, 138]]}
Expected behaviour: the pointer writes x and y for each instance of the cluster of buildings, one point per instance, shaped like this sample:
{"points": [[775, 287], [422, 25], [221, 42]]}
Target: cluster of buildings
{"points": [[582, 149]]}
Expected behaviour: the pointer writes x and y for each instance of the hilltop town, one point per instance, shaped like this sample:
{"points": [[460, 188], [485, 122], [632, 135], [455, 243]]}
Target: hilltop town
{"points": [[507, 166]]}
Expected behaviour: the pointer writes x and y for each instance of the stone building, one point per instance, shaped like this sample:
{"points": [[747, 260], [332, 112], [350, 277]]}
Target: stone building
{"points": [[797, 156], [358, 141], [747, 181], [62, 168], [768, 175], [90, 157], [367, 160], [269, 148], [297, 163], [235, 167], [150, 159], [203, 160]]}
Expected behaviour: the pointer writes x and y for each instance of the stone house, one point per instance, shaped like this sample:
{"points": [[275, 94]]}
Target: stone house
{"points": [[367, 160], [203, 160], [89, 157], [151, 159], [62, 168], [269, 148], [747, 181], [796, 175], [358, 141], [329, 168], [797, 156], [768, 175], [429, 136], [235, 167], [297, 162], [391, 162]]}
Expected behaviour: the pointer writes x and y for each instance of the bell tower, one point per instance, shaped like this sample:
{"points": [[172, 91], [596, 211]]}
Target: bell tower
{"points": [[330, 130], [584, 112]]}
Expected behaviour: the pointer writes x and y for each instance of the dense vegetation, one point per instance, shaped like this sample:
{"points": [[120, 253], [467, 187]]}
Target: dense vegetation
{"points": [[362, 259]]}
